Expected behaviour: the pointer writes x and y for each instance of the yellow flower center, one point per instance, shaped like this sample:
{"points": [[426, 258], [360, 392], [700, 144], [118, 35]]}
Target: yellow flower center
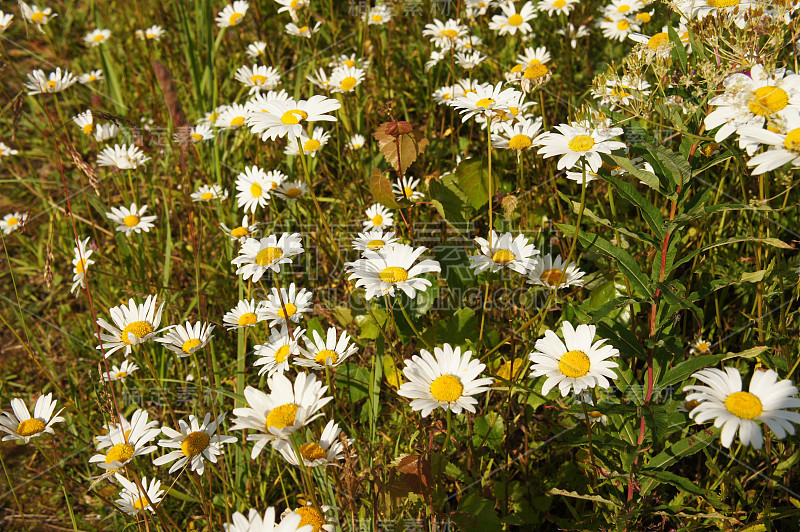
{"points": [[235, 19], [293, 192], [248, 318], [723, 3], [643, 17], [239, 232], [377, 220], [515, 19], [287, 311], [559, 3], [377, 18], [52, 84], [87, 129], [281, 417], [553, 277], [238, 121], [536, 71], [658, 40], [188, 345], [350, 63], [121, 375], [139, 329], [519, 142], [408, 191], [792, 142], [581, 143], [348, 83], [595, 414], [282, 353], [268, 255], [256, 190], [37, 17], [141, 503], [29, 427], [304, 29], [312, 451], [311, 516], [80, 267], [446, 388], [503, 256], [323, 356], [623, 25], [131, 220], [195, 443], [450, 34], [13, 221], [121, 452], [574, 364], [207, 196], [393, 274], [505, 371], [516, 69], [311, 145], [703, 347], [744, 405], [258, 79], [98, 37], [196, 136], [293, 117], [150, 35], [484, 103], [768, 100], [375, 244], [623, 8]]}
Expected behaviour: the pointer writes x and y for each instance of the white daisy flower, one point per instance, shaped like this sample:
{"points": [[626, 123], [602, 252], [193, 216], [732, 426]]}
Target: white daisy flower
{"points": [[92, 75], [320, 79], [292, 6], [195, 443], [210, 118], [436, 57], [468, 43], [127, 445], [579, 141], [379, 15], [504, 251], [356, 142], [380, 272], [123, 157], [518, 136], [6, 150], [276, 355], [485, 101], [618, 29], [131, 220], [133, 325], [254, 189], [346, 79], [309, 145], [510, 22], [288, 118], [134, 498], [291, 190], [345, 60], [554, 273], [196, 134], [557, 7], [105, 132], [724, 401], [119, 373], [254, 522], [374, 239], [579, 365], [593, 416], [445, 34], [13, 222], [700, 346], [20, 425], [245, 314], [96, 37], [41, 83], [241, 232], [104, 439], [573, 33], [153, 33], [784, 145], [378, 217], [232, 117], [287, 409], [302, 31], [659, 45], [469, 60], [36, 15], [327, 451], [314, 517], [329, 351], [622, 8], [447, 381], [291, 304], [256, 49], [258, 256], [209, 193], [257, 103], [187, 339], [737, 9], [406, 188], [84, 121], [622, 91], [80, 264], [232, 14], [5, 21], [258, 77]]}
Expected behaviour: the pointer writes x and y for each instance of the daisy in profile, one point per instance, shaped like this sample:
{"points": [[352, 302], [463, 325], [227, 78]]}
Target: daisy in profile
{"points": [[309, 145], [504, 252], [253, 187], [510, 22], [210, 118], [381, 272], [80, 264], [241, 232], [133, 325], [292, 190], [327, 451], [122, 157], [469, 60], [91, 76], [379, 15], [346, 79], [243, 315], [485, 101], [553, 273], [351, 60], [302, 31], [737, 9], [292, 6], [257, 103], [84, 121], [722, 399], [137, 497], [199, 133], [96, 37], [254, 522], [119, 373], [288, 118], [356, 142], [232, 14], [573, 34], [269, 253], [622, 91], [232, 117], [437, 56], [128, 444], [447, 380], [207, 193], [406, 189], [131, 220], [153, 33], [783, 145], [556, 7], [13, 222], [195, 443], [326, 352], [517, 137], [320, 79], [20, 425], [104, 439], [256, 50], [258, 77], [187, 339], [659, 45], [579, 365], [373, 240], [288, 408], [5, 21], [579, 142], [6, 150], [36, 15], [618, 29], [378, 217], [700, 346], [445, 34], [276, 355], [41, 83], [288, 304]]}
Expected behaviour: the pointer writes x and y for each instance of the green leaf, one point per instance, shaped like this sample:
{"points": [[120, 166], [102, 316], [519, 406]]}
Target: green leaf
{"points": [[686, 485], [576, 495], [683, 370], [774, 242], [451, 204], [682, 448], [650, 213], [472, 178], [476, 514], [488, 431], [678, 50], [381, 189], [753, 352]]}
